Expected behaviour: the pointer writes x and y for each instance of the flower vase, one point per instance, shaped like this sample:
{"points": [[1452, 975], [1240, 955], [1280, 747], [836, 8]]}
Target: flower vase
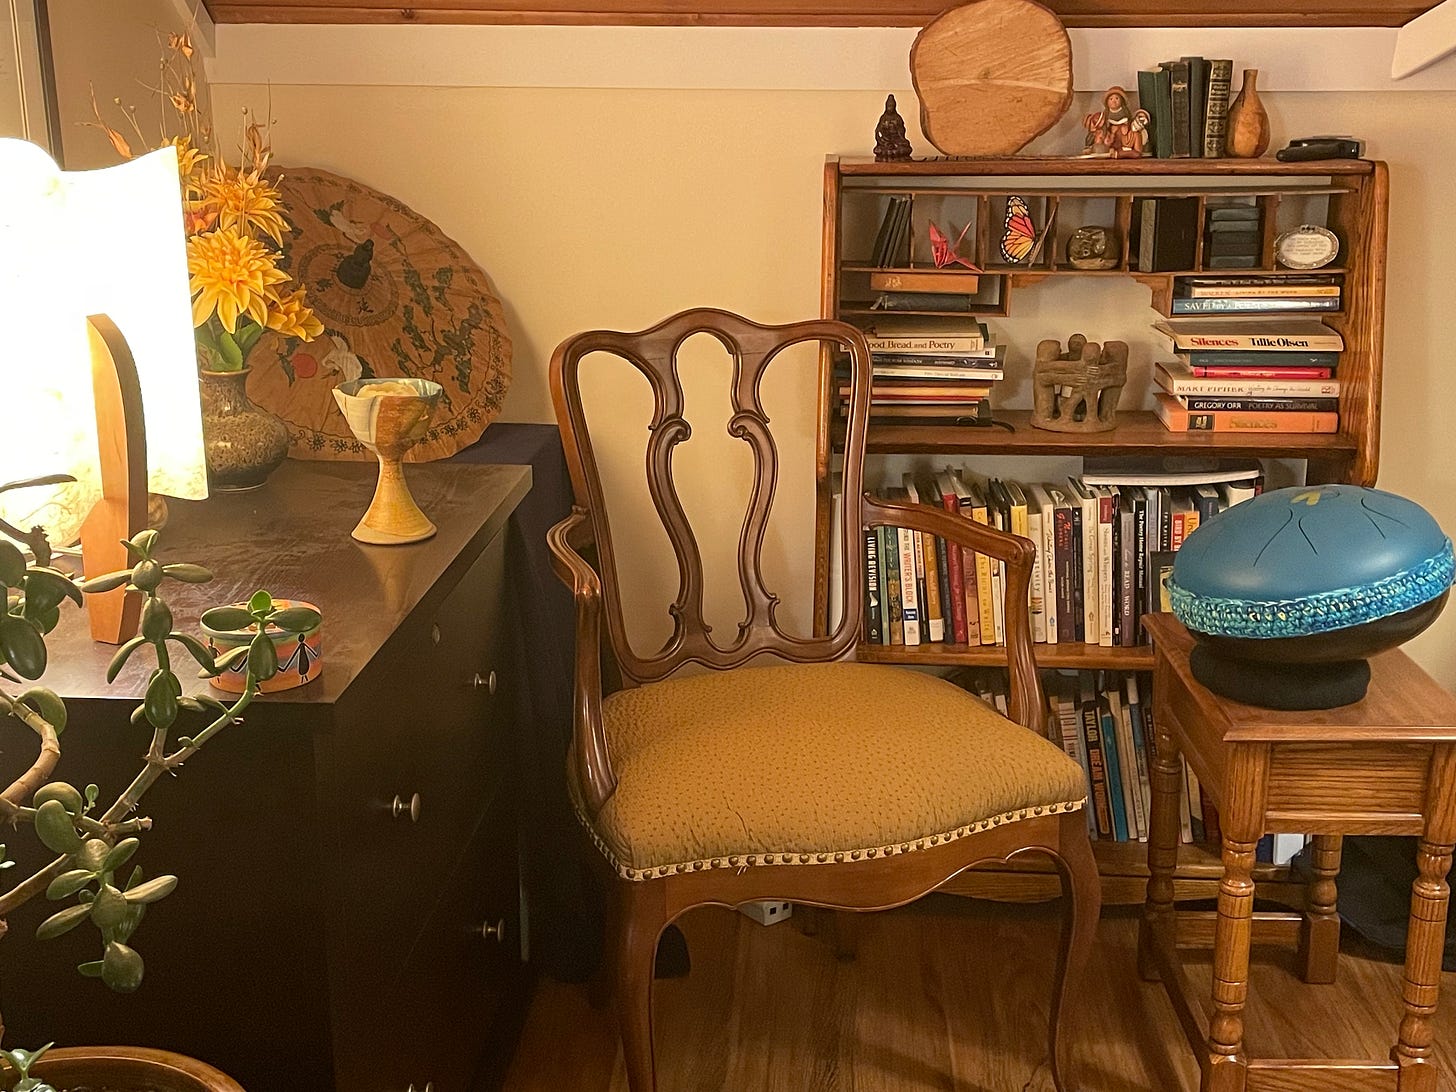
{"points": [[244, 443], [1248, 121]]}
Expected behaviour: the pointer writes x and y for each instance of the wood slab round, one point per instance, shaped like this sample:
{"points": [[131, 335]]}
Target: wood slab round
{"points": [[991, 76]]}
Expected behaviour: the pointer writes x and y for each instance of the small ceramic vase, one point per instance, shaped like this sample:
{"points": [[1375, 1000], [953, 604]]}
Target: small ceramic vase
{"points": [[1248, 121], [244, 442]]}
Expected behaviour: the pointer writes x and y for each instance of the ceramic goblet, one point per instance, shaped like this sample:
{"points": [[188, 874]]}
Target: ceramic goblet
{"points": [[389, 424]]}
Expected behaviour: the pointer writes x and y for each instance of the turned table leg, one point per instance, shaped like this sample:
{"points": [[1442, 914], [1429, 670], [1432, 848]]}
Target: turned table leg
{"points": [[1319, 940], [1245, 791], [1158, 909], [1426, 938]]}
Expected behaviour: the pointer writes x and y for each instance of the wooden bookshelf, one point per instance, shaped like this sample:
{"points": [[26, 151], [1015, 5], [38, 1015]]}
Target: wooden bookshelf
{"points": [[1138, 432], [1075, 655], [1353, 195]]}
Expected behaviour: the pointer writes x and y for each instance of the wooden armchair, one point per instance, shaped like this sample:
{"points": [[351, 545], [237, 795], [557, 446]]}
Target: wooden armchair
{"points": [[826, 782]]}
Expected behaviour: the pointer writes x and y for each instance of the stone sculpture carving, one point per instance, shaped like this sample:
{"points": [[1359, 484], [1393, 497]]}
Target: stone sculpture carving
{"points": [[1078, 390]]}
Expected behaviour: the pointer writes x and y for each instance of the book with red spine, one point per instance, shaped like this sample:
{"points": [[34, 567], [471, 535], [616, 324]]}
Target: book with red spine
{"points": [[1294, 371]]}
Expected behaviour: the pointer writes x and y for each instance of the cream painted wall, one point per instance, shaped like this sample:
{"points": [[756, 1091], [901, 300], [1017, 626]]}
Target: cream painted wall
{"points": [[615, 207], [116, 47]]}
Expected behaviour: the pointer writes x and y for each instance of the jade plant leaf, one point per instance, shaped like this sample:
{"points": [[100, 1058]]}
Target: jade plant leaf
{"points": [[227, 619], [62, 921]]}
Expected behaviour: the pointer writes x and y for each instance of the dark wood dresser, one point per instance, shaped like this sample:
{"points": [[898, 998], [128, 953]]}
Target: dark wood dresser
{"points": [[348, 915]]}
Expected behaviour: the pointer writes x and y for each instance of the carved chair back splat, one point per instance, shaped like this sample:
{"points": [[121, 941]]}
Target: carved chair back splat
{"points": [[654, 353]]}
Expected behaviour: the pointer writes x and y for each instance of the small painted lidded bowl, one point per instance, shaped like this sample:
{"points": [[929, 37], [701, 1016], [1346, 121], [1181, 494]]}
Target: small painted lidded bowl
{"points": [[1289, 593], [300, 657]]}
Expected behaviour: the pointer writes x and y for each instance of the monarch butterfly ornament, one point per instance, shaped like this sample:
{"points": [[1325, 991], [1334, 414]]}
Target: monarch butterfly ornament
{"points": [[1018, 236]]}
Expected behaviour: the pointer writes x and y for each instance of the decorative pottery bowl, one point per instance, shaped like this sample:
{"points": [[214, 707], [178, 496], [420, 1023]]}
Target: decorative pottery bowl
{"points": [[389, 422], [300, 659], [1290, 592]]}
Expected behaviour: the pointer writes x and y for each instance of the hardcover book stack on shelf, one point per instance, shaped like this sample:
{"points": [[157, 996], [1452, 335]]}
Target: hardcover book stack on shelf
{"points": [[1187, 101], [1233, 237], [1250, 375], [930, 372], [1275, 295], [1104, 551]]}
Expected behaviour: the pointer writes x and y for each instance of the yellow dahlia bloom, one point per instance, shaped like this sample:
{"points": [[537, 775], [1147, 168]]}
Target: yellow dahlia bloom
{"points": [[245, 202], [231, 275], [291, 317], [189, 159]]}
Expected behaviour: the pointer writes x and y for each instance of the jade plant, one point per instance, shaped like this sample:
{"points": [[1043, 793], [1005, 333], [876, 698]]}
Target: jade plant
{"points": [[93, 846]]}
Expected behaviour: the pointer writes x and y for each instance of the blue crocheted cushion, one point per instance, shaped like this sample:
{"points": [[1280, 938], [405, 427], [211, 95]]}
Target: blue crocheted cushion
{"points": [[1309, 560]]}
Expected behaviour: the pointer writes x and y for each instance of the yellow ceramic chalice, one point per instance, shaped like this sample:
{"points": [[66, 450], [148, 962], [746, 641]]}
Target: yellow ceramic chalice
{"points": [[390, 416]]}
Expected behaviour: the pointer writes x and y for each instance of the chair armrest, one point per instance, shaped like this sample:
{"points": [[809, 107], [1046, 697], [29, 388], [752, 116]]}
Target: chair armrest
{"points": [[1026, 698], [589, 757]]}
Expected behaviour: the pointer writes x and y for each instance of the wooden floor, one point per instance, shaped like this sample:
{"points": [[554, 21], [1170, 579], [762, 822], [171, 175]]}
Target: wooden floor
{"points": [[948, 995]]}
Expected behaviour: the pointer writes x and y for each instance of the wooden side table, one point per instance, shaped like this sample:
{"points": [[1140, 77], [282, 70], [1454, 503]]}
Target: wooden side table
{"points": [[1385, 765]]}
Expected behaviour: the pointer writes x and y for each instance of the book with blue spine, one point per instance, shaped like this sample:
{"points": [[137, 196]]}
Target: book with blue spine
{"points": [[1113, 765]]}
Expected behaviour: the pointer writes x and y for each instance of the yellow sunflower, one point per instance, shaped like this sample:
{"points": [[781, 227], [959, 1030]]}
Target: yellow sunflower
{"points": [[232, 275], [291, 317], [245, 202]]}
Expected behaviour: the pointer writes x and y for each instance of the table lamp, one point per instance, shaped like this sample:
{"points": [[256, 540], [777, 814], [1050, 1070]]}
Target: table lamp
{"points": [[98, 362]]}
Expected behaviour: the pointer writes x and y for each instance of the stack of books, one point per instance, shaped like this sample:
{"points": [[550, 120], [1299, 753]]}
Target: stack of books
{"points": [[1250, 376], [1233, 237], [932, 373], [1187, 101], [1271, 295]]}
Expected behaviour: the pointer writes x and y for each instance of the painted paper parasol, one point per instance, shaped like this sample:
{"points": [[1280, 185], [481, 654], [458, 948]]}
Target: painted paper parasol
{"points": [[397, 298]]}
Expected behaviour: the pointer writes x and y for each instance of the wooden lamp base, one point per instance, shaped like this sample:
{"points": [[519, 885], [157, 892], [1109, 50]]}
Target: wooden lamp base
{"points": [[393, 518], [122, 510]]}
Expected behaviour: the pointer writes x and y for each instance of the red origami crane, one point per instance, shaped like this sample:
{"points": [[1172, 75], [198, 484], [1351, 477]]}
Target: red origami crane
{"points": [[944, 254]]}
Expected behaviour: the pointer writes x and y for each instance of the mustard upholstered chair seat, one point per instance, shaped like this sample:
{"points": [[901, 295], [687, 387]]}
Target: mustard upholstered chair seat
{"points": [[813, 764]]}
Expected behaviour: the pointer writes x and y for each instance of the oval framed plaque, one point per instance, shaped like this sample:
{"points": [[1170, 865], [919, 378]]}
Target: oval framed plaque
{"points": [[1306, 247]]}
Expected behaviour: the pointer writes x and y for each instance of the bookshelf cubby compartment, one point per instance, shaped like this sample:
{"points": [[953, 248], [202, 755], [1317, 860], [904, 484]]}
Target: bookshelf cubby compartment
{"points": [[1348, 196]]}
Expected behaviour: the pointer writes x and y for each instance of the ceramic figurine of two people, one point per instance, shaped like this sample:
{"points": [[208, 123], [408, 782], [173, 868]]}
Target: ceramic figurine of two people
{"points": [[1116, 130]]}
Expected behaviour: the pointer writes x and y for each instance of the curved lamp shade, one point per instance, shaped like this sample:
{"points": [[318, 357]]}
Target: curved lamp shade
{"points": [[72, 245]]}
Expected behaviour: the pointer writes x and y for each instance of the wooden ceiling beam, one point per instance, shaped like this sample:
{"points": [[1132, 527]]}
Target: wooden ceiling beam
{"points": [[1074, 13]]}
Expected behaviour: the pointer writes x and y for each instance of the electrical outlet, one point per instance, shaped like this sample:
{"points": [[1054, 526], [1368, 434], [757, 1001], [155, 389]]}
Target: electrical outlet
{"points": [[767, 913]]}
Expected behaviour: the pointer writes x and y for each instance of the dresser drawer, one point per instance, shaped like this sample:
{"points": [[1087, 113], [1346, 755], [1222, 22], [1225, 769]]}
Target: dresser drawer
{"points": [[415, 764], [457, 999]]}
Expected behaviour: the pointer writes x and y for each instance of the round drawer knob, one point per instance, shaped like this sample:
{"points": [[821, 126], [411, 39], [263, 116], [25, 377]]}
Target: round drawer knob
{"points": [[496, 932], [484, 682], [402, 807]]}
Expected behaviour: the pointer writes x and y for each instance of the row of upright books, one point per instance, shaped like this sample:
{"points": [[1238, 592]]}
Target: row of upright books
{"points": [[1187, 101], [1249, 375], [1104, 549], [1104, 722], [930, 373]]}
